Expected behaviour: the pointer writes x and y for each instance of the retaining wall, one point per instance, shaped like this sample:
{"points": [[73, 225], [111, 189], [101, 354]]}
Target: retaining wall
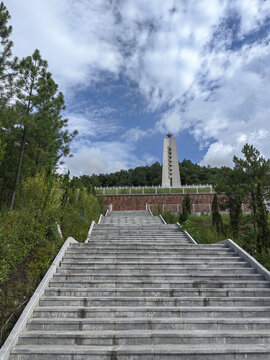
{"points": [[200, 202]]}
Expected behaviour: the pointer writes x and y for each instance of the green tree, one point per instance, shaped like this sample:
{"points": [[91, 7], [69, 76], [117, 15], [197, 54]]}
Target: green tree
{"points": [[7, 67], [228, 183], [7, 61], [251, 169], [186, 209], [216, 217], [263, 233], [9, 135], [235, 207], [37, 102]]}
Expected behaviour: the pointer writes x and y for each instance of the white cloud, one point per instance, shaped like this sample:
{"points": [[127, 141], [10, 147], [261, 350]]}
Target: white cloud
{"points": [[220, 93], [135, 134], [219, 154], [103, 157], [253, 13], [69, 35], [99, 157], [90, 124], [171, 121], [236, 112]]}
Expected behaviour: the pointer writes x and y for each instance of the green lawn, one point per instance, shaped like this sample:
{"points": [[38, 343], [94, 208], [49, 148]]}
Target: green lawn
{"points": [[134, 191], [123, 191], [149, 191]]}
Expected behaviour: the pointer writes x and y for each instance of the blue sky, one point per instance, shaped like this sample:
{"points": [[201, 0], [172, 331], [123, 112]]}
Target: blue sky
{"points": [[132, 70]]}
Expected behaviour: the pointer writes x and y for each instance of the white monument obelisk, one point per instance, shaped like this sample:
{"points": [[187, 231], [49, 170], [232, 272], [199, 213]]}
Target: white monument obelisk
{"points": [[170, 167]]}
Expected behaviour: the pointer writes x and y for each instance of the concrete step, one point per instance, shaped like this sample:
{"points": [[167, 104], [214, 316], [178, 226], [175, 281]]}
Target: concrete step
{"points": [[189, 292], [145, 352], [154, 266], [139, 272], [139, 245], [152, 311], [142, 323], [150, 252], [152, 301], [165, 284], [140, 290], [210, 262], [195, 276], [160, 257], [145, 337]]}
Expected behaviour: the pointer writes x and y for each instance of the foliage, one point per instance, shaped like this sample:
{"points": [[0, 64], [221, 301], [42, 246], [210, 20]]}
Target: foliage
{"points": [[246, 181], [186, 209], [30, 224], [228, 183], [38, 103], [169, 217], [151, 176], [263, 231], [33, 134], [7, 61], [251, 169], [78, 213], [29, 239], [216, 217]]}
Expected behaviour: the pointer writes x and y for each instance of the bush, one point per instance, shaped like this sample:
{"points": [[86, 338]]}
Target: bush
{"points": [[78, 213], [170, 218], [186, 209], [29, 240]]}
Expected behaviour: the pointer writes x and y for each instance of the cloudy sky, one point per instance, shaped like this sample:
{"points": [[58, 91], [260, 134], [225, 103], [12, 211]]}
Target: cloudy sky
{"points": [[132, 70]]}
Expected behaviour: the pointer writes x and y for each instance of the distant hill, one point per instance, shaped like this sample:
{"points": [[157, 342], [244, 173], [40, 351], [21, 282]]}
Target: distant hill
{"points": [[191, 174]]}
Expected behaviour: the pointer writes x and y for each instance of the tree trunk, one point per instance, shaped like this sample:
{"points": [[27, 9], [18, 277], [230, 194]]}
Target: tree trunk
{"points": [[19, 170], [37, 162], [254, 207]]}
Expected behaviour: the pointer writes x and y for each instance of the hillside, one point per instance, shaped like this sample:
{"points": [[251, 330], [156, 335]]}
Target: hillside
{"points": [[191, 174]]}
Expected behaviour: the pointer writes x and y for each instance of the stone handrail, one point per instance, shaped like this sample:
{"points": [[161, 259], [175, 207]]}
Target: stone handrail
{"points": [[161, 218], [188, 235], [250, 259], [90, 231]]}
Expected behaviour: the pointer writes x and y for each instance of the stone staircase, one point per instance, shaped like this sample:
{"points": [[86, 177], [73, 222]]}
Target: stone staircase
{"points": [[140, 290]]}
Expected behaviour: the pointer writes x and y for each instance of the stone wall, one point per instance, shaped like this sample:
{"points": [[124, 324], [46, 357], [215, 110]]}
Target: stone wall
{"points": [[163, 202]]}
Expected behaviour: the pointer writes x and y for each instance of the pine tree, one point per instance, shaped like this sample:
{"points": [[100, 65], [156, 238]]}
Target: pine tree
{"points": [[235, 211], [7, 61], [263, 231], [38, 106], [252, 168], [229, 183], [7, 67], [216, 217], [186, 209]]}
